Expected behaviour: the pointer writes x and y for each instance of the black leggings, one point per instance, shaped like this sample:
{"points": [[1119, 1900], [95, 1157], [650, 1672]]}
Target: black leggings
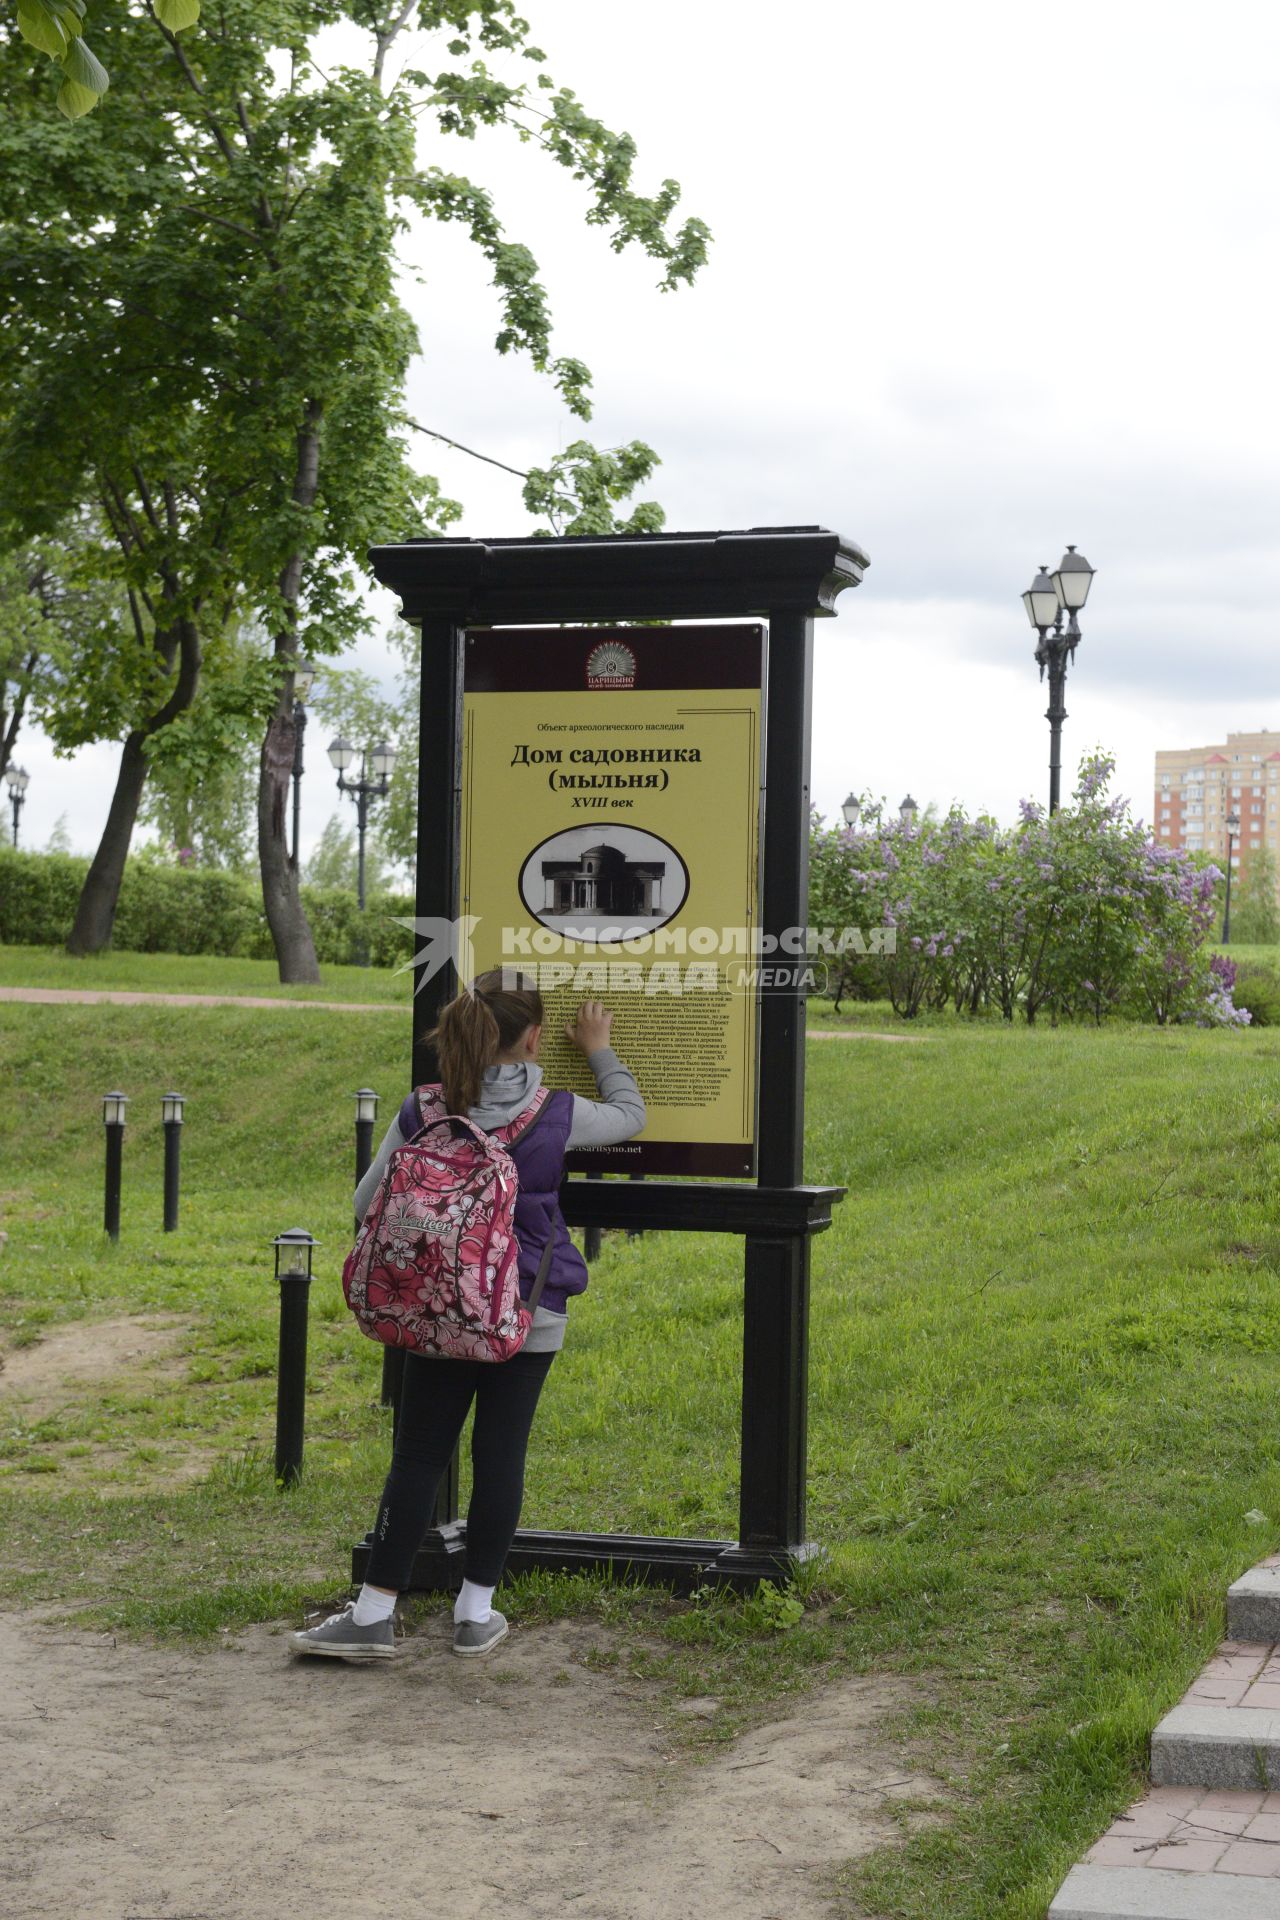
{"points": [[434, 1402]]}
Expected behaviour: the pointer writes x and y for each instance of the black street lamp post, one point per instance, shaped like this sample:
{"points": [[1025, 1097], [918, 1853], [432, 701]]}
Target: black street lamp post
{"points": [[907, 811], [1233, 828], [18, 779], [304, 675], [377, 760], [293, 1252], [113, 1106], [1046, 600], [171, 1113], [851, 807]]}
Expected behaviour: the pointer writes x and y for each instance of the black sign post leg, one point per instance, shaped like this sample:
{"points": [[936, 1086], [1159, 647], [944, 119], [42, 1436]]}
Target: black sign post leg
{"points": [[775, 1367], [775, 1332]]}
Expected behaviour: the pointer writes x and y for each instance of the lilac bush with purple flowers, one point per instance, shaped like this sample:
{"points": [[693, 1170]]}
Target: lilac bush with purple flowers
{"points": [[1082, 916]]}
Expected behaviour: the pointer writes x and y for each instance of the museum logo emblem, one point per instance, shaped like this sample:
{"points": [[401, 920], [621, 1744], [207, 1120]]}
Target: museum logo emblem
{"points": [[611, 666]]}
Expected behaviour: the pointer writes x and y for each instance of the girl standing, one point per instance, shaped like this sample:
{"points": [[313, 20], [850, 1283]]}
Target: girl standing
{"points": [[487, 1048]]}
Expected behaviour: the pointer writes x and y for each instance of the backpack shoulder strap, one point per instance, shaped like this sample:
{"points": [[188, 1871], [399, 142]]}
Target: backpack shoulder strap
{"points": [[422, 1108], [526, 1118], [544, 1268]]}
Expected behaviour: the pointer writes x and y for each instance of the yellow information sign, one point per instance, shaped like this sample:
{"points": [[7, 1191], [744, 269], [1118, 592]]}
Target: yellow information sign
{"points": [[610, 840]]}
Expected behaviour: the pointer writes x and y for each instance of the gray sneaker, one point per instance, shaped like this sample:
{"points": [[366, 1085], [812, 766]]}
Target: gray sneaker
{"points": [[472, 1638], [342, 1639]]}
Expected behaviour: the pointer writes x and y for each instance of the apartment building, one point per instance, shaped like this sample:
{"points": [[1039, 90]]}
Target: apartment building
{"points": [[1197, 787]]}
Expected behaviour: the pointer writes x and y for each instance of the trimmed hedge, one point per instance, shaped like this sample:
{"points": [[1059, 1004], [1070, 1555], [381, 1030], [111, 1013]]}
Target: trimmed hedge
{"points": [[1257, 987], [191, 910]]}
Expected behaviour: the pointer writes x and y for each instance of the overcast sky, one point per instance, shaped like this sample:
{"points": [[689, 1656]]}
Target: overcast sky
{"points": [[985, 280]]}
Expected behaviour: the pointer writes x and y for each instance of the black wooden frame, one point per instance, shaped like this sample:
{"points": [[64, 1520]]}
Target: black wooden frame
{"points": [[787, 575]]}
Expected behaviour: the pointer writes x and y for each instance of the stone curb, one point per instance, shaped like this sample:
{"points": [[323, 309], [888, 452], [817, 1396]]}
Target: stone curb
{"points": [[1199, 1746], [1253, 1604], [1146, 1893], [1204, 1842]]}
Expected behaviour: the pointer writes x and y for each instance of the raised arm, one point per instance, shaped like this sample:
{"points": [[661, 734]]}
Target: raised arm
{"points": [[619, 1112]]}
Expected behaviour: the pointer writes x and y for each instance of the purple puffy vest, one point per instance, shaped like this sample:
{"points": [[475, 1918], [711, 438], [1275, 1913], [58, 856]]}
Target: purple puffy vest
{"points": [[539, 1161]]}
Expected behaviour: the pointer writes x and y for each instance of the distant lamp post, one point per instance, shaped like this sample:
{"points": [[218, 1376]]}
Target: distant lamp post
{"points": [[1233, 828], [171, 1113], [851, 808], [113, 1106], [376, 761], [293, 1272], [18, 779], [908, 811], [1046, 600], [304, 678]]}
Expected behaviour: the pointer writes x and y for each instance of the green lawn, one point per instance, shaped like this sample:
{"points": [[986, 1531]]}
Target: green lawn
{"points": [[195, 973], [1045, 1348]]}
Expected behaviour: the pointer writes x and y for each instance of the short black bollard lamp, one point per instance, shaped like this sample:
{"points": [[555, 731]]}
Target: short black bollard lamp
{"points": [[113, 1106], [366, 1115], [171, 1110], [293, 1271]]}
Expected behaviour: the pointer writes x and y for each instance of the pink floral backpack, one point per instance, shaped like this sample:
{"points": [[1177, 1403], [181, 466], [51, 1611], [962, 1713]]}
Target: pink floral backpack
{"points": [[434, 1263]]}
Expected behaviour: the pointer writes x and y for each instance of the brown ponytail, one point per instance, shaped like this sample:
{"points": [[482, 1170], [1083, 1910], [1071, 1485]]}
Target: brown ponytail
{"points": [[485, 1020]]}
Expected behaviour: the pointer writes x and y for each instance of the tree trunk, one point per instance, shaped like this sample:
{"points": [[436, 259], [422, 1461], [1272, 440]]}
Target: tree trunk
{"points": [[10, 722], [281, 898], [96, 909]]}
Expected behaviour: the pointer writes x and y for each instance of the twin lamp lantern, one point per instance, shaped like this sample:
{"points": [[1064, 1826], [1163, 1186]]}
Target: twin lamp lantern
{"points": [[1050, 595], [382, 758]]}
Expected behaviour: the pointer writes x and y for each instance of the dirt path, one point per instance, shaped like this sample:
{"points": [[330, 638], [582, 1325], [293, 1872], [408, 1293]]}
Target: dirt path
{"points": [[72, 996], [149, 1783], [862, 1033]]}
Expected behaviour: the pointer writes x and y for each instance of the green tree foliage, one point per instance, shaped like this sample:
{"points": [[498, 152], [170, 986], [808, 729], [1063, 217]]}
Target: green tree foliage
{"points": [[204, 336], [333, 863], [202, 777], [1255, 909], [56, 28], [49, 596], [581, 489]]}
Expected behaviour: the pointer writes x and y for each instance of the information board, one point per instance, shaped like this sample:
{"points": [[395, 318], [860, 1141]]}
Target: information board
{"points": [[611, 790]]}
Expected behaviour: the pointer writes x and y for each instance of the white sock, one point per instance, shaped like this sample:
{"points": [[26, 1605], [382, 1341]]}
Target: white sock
{"points": [[473, 1603], [373, 1606]]}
